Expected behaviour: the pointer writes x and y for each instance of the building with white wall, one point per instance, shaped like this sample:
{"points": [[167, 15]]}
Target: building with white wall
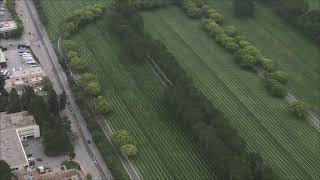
{"points": [[32, 77], [14, 129]]}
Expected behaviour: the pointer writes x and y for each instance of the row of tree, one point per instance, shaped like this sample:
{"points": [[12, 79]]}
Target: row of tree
{"points": [[298, 13], [224, 148], [11, 5], [126, 143], [81, 17], [245, 54]]}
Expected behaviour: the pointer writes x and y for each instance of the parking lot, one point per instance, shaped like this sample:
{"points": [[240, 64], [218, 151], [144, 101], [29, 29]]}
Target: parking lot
{"points": [[15, 62], [34, 149]]}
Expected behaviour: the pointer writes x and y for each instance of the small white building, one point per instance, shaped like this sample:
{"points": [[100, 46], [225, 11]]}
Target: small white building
{"points": [[3, 61], [6, 27], [15, 128]]}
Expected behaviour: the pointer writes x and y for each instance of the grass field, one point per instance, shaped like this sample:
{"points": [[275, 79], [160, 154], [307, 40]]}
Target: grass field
{"points": [[291, 146], [314, 4], [135, 91]]}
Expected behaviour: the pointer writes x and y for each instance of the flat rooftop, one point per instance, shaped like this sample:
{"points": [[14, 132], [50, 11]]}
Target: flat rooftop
{"points": [[6, 26], [16, 120], [11, 149]]}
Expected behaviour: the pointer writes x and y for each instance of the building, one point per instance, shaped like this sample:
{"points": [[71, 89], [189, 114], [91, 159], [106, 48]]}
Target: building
{"points": [[3, 61], [14, 129], [70, 174], [28, 77], [6, 27]]}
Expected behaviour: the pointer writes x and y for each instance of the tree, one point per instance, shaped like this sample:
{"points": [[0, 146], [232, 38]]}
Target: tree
{"points": [[62, 100], [3, 100], [244, 8], [14, 104], [276, 88], [299, 109], [103, 105], [280, 76], [122, 137], [2, 82], [78, 63], [26, 97], [53, 104], [129, 150], [5, 171]]}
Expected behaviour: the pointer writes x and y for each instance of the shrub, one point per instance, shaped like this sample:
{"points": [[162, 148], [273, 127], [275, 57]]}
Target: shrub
{"points": [[71, 165], [78, 63], [266, 63], [216, 17], [221, 38], [276, 89], [90, 83], [103, 105], [299, 109], [280, 76], [129, 150], [232, 46], [239, 38], [231, 31], [244, 43], [122, 137], [70, 45]]}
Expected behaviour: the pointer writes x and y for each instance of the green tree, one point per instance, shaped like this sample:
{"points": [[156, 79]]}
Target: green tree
{"points": [[5, 171], [122, 137], [2, 82], [53, 104], [276, 88], [129, 150], [78, 63], [26, 97], [280, 76], [244, 8], [14, 104], [299, 109], [3, 100], [103, 105], [62, 100]]}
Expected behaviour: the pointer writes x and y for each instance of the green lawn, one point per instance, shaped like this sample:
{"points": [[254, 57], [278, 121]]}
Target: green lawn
{"points": [[314, 4], [135, 91], [291, 146]]}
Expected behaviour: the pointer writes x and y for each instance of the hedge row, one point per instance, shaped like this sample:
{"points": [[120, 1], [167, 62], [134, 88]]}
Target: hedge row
{"points": [[90, 84], [223, 147], [81, 17], [11, 5], [245, 54]]}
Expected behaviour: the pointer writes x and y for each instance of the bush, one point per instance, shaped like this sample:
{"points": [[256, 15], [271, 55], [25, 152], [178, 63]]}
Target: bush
{"points": [[129, 150], [122, 137], [299, 109], [90, 83], [280, 76], [70, 45], [192, 9], [231, 31], [266, 63], [232, 46], [276, 89], [103, 106], [214, 15], [78, 63]]}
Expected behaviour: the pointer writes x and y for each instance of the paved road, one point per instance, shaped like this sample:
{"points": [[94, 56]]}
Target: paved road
{"points": [[41, 45]]}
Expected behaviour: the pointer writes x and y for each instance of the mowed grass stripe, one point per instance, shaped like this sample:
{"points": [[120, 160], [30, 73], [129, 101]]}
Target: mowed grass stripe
{"points": [[174, 15], [166, 120], [265, 106], [289, 48]]}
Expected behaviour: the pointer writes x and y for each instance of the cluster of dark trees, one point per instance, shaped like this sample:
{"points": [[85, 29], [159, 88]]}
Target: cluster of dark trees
{"points": [[298, 13], [11, 5], [41, 13], [81, 17], [5, 171], [45, 110], [224, 148]]}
